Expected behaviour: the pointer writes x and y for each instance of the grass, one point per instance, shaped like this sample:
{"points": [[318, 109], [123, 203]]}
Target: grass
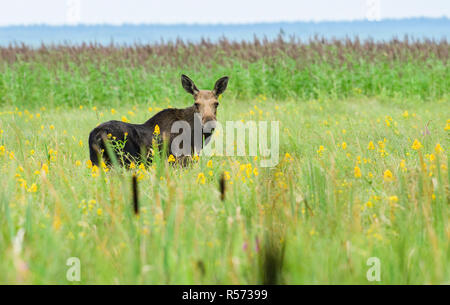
{"points": [[313, 218], [93, 75], [363, 166]]}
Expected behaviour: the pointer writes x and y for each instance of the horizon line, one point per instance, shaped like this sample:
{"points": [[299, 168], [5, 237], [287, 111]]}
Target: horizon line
{"points": [[223, 23]]}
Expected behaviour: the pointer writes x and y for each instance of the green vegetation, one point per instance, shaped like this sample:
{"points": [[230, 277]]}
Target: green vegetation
{"points": [[94, 75], [363, 166]]}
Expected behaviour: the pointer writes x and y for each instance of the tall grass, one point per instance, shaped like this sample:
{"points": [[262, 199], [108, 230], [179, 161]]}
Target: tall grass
{"points": [[284, 68], [363, 166]]}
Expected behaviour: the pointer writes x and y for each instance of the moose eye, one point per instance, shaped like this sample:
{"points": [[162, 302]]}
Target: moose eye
{"points": [[197, 105], [216, 105]]}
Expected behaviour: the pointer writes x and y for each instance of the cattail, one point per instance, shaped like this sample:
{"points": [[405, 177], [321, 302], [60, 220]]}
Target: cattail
{"points": [[222, 186], [135, 195]]}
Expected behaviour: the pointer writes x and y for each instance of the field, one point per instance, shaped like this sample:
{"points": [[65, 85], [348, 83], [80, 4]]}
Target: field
{"points": [[363, 169]]}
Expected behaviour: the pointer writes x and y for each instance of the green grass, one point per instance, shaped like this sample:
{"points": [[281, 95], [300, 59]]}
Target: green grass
{"points": [[319, 221]]}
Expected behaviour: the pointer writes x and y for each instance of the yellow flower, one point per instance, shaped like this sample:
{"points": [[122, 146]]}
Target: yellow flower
{"points": [[89, 164], [52, 127], [33, 188], [288, 157], [94, 108], [99, 212], [78, 163], [438, 149], [32, 152], [171, 158], [403, 165], [150, 109], [156, 131], [405, 114], [388, 176], [11, 155], [113, 111], [227, 175], [344, 145], [201, 178], [255, 171], [44, 168], [124, 119], [371, 146], [80, 143], [393, 198], [209, 164], [132, 165], [357, 171], [416, 145], [321, 150]]}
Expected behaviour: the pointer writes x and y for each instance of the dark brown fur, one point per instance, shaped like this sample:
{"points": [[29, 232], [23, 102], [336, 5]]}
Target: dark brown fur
{"points": [[139, 136]]}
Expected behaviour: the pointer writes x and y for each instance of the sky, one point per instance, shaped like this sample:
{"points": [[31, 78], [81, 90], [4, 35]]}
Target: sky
{"points": [[59, 12]]}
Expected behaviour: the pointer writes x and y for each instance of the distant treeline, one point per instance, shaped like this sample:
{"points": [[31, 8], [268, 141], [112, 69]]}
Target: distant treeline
{"points": [[91, 74]]}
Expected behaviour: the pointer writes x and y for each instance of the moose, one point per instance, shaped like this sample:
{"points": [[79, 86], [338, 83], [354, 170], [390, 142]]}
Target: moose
{"points": [[139, 139]]}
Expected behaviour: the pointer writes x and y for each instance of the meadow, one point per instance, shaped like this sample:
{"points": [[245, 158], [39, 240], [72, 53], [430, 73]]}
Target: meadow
{"points": [[363, 171]]}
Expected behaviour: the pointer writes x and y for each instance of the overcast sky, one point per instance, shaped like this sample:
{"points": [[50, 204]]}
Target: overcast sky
{"points": [[14, 12]]}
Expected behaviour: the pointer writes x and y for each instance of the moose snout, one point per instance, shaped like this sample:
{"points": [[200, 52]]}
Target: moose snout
{"points": [[209, 123]]}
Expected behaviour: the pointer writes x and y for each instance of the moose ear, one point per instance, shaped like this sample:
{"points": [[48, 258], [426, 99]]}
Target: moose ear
{"points": [[220, 85], [188, 85]]}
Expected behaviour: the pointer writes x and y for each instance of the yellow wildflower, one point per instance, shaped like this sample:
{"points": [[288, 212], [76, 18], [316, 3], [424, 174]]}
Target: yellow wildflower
{"points": [[388, 176], [157, 130], [171, 159], [201, 178], [371, 146], [438, 149], [416, 145], [357, 172]]}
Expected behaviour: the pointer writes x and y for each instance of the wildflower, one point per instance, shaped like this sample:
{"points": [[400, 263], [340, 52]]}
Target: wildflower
{"points": [[321, 150], [113, 111], [95, 171], [99, 212], [405, 114], [94, 108], [171, 158], [33, 188], [32, 152], [78, 163], [438, 149], [124, 119], [369, 204], [52, 127], [357, 172], [226, 175], [132, 165], [288, 157], [416, 145], [150, 109], [156, 131], [11, 155], [201, 178], [344, 145], [44, 168], [255, 171], [388, 176], [393, 198], [403, 165], [209, 164], [89, 164]]}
